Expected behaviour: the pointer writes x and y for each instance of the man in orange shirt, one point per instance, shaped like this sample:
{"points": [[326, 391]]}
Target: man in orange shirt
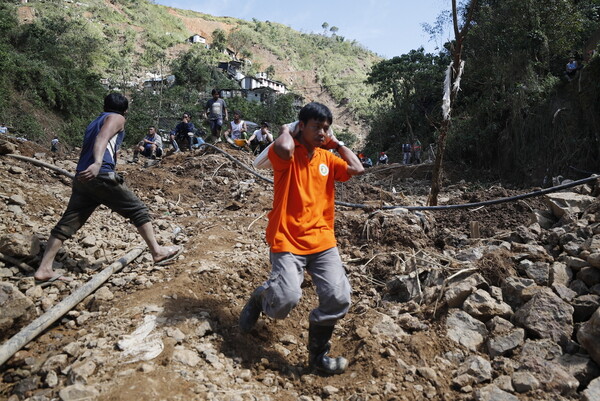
{"points": [[300, 232]]}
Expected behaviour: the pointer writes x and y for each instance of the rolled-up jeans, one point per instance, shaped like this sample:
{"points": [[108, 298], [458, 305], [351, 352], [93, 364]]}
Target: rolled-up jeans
{"points": [[283, 292], [106, 189]]}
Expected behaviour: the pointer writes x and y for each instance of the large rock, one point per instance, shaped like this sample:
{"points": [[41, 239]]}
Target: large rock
{"points": [[477, 367], [465, 330], [589, 275], [491, 392], [20, 245], [585, 306], [580, 366], [546, 316], [458, 291], [560, 274], [588, 336], [568, 202], [512, 290], [16, 310], [482, 306], [592, 392]]}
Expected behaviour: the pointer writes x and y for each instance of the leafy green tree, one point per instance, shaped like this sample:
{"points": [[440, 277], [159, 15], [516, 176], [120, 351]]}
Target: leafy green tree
{"points": [[410, 84], [334, 30], [270, 71], [325, 26], [240, 41], [219, 39]]}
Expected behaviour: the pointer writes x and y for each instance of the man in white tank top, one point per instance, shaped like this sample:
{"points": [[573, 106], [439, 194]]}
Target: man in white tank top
{"points": [[237, 129]]}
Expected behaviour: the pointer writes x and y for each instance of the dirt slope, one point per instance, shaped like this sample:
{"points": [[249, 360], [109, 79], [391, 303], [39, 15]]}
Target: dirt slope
{"points": [[217, 211]]}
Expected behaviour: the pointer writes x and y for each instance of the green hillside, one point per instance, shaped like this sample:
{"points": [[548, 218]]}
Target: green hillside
{"points": [[56, 54]]}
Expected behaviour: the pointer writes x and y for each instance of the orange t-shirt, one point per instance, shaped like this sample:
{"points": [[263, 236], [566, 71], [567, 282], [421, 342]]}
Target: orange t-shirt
{"points": [[302, 218]]}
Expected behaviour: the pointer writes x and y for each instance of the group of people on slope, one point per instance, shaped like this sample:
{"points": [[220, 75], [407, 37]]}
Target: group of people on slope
{"points": [[185, 135], [300, 231]]}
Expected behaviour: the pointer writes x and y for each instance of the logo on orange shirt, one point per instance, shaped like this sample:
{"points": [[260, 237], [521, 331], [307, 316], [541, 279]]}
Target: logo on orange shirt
{"points": [[323, 169]]}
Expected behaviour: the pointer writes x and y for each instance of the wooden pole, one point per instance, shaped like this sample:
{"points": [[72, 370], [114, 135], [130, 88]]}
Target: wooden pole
{"points": [[42, 164], [19, 340]]}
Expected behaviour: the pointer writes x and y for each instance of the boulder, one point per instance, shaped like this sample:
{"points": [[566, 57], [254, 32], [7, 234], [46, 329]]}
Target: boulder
{"points": [[458, 291], [584, 306], [465, 330], [580, 366], [588, 336], [546, 316], [491, 392], [592, 392], [560, 274], [567, 202], [19, 245], [589, 275], [512, 290], [16, 310], [481, 305], [477, 367]]}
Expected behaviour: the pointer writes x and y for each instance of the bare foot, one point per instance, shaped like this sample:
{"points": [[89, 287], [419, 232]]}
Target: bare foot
{"points": [[167, 255]]}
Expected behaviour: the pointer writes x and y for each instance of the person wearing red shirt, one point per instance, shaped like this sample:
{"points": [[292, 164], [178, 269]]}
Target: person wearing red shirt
{"points": [[300, 232]]}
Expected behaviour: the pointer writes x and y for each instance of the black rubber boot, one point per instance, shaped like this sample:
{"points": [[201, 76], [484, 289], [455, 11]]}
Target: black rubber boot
{"points": [[318, 347], [251, 311]]}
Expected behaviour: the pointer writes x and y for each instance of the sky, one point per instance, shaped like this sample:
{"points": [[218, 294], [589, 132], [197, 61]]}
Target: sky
{"points": [[387, 27]]}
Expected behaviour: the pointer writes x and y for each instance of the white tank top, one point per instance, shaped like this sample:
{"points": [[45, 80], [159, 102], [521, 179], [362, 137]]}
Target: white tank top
{"points": [[236, 129]]}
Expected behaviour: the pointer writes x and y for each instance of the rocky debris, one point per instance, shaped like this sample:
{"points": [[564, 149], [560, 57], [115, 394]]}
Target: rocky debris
{"points": [[589, 336], [19, 245], [519, 304], [465, 330], [16, 310], [546, 316]]}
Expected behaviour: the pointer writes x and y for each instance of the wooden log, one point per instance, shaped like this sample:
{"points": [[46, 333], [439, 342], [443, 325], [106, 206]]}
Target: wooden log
{"points": [[28, 333], [42, 164]]}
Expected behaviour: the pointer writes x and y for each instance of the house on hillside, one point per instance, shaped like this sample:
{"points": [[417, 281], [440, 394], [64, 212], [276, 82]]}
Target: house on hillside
{"points": [[154, 83], [233, 69], [261, 81], [197, 38]]}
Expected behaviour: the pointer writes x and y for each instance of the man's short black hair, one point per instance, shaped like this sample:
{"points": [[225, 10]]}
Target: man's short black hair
{"points": [[214, 92], [316, 111], [116, 103]]}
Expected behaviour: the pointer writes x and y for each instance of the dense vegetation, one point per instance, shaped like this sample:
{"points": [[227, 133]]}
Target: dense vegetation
{"points": [[54, 64], [515, 114]]}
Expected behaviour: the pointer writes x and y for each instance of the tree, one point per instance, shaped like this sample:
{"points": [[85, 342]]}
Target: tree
{"points": [[411, 83], [452, 85], [219, 39], [325, 26], [240, 41], [334, 30], [270, 71]]}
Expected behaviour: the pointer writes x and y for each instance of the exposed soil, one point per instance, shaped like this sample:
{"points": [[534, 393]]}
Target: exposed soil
{"points": [[218, 212]]}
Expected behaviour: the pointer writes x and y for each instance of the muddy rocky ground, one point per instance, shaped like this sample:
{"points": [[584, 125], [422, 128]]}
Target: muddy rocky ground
{"points": [[437, 314]]}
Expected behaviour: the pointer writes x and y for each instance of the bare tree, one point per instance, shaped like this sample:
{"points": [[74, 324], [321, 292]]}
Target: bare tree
{"points": [[451, 87]]}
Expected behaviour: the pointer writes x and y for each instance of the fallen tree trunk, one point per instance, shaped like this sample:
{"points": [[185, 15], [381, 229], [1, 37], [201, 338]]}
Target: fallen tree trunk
{"points": [[31, 331], [42, 164]]}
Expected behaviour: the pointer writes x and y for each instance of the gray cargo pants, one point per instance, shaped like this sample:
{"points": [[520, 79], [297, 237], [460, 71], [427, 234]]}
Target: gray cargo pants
{"points": [[282, 291]]}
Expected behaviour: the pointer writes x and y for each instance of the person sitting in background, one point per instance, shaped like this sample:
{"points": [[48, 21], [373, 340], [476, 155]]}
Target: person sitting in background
{"points": [[183, 132], [151, 146], [238, 128], [3, 129], [261, 138], [383, 158], [365, 160]]}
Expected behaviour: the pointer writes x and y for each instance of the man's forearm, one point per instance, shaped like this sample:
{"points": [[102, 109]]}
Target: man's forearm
{"points": [[355, 167]]}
